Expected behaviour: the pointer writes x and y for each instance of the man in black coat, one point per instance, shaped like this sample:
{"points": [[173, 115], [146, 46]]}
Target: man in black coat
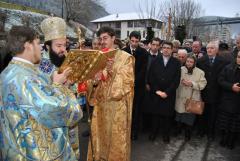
{"points": [[153, 52], [237, 48], [163, 79], [229, 111], [141, 56], [211, 64]]}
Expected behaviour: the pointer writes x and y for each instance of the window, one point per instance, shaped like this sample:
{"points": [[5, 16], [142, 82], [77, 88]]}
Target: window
{"points": [[118, 34], [144, 34], [140, 23], [127, 33], [159, 25], [130, 23], [106, 24], [118, 25], [151, 23]]}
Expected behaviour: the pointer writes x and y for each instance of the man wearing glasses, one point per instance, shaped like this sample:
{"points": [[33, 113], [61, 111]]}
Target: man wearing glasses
{"points": [[163, 79]]}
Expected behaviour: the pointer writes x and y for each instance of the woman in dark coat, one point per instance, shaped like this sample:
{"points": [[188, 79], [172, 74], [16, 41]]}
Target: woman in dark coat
{"points": [[229, 109]]}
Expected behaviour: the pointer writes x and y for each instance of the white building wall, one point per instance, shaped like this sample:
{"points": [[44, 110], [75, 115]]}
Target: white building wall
{"points": [[123, 30]]}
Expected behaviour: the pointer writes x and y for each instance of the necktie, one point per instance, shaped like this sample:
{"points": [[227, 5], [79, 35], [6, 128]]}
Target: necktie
{"points": [[211, 61], [133, 52]]}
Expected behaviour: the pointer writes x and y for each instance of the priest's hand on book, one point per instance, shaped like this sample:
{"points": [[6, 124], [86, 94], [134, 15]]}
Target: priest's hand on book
{"points": [[109, 66], [62, 77]]}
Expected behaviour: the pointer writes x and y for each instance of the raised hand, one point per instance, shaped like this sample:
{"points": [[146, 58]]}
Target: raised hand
{"points": [[62, 77]]}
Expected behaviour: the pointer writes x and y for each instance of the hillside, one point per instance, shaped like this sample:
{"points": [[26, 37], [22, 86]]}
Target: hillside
{"points": [[87, 11]]}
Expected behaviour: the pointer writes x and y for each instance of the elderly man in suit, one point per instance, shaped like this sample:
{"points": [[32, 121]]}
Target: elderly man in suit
{"points": [[211, 64]]}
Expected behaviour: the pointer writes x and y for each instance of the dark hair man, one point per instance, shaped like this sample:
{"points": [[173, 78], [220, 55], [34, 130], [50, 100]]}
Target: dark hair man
{"points": [[141, 56]]}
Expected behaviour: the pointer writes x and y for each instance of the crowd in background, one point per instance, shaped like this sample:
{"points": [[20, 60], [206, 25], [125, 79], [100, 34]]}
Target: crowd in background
{"points": [[168, 73]]}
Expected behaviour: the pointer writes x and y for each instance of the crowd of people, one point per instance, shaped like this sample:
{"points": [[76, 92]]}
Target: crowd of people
{"points": [[174, 73], [143, 88]]}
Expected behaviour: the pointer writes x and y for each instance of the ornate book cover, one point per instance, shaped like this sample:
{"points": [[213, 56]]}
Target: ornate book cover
{"points": [[85, 63]]}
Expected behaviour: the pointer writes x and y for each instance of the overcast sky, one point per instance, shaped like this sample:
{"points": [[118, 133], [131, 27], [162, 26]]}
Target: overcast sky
{"points": [[226, 8]]}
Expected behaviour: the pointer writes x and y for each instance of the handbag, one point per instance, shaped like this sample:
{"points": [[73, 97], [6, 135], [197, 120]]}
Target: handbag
{"points": [[193, 106]]}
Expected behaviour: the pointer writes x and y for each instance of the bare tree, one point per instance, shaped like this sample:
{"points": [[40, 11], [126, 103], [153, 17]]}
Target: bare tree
{"points": [[151, 9], [182, 12], [74, 8]]}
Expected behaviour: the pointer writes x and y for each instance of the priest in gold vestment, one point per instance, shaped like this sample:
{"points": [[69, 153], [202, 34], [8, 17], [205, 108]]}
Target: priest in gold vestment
{"points": [[112, 99]]}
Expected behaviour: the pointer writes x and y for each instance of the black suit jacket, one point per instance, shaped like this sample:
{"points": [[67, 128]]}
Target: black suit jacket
{"points": [[230, 101], [235, 52], [211, 93], [141, 60]]}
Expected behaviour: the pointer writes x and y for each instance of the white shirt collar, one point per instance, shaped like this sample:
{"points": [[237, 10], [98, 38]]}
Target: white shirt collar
{"points": [[165, 60], [153, 53], [213, 57], [22, 60], [166, 57], [132, 48]]}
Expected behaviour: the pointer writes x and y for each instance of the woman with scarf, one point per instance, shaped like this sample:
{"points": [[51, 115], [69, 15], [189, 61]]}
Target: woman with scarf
{"points": [[229, 109], [192, 82]]}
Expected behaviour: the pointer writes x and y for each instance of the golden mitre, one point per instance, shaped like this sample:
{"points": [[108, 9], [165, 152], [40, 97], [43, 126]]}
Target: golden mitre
{"points": [[85, 63], [53, 28]]}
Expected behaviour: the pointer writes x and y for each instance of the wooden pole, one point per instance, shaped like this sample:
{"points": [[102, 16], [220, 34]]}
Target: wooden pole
{"points": [[169, 25]]}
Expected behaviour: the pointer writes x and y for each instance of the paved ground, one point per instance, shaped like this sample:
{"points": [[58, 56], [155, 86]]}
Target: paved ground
{"points": [[198, 149]]}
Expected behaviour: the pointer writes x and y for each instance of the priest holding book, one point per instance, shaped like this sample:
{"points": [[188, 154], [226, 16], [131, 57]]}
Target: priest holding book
{"points": [[53, 55], [112, 97]]}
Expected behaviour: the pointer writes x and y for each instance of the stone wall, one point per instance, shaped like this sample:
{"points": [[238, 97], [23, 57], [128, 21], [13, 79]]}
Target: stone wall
{"points": [[88, 12]]}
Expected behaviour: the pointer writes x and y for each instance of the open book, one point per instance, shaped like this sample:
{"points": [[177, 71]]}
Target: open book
{"points": [[85, 63]]}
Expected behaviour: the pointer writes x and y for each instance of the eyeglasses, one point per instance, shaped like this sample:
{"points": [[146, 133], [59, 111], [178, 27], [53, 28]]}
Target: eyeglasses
{"points": [[164, 47], [104, 38]]}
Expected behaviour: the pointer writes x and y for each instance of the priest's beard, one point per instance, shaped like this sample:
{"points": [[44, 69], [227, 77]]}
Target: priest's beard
{"points": [[55, 59]]}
